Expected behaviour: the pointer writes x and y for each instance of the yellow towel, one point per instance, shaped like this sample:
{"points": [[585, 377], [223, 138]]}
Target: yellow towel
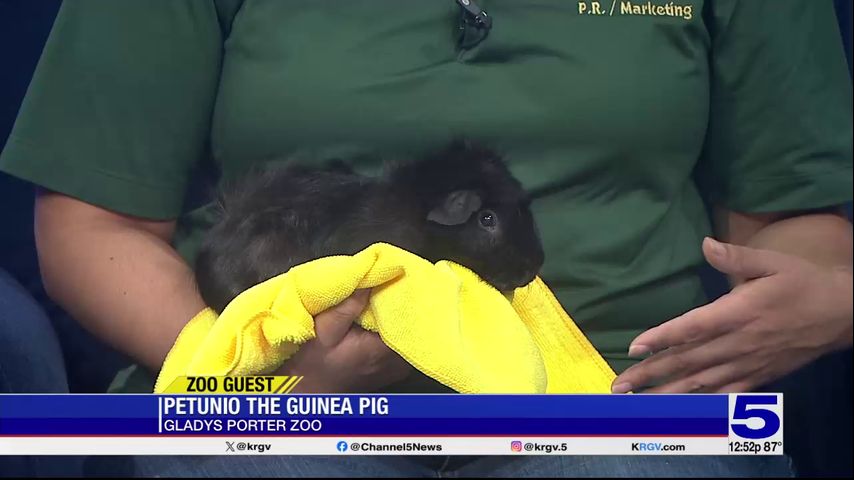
{"points": [[442, 318]]}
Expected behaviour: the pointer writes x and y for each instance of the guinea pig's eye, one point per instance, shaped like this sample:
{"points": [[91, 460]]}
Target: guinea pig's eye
{"points": [[487, 219]]}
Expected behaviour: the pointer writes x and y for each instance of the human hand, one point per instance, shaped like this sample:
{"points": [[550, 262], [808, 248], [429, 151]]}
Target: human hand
{"points": [[787, 313], [343, 357]]}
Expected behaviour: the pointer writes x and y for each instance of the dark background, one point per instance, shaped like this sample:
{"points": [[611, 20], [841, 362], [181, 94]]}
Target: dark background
{"points": [[818, 400]]}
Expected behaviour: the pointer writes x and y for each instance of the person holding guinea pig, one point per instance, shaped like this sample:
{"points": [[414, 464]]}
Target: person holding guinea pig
{"points": [[623, 124]]}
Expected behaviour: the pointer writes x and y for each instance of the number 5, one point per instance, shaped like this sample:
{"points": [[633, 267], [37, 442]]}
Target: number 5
{"points": [[742, 412]]}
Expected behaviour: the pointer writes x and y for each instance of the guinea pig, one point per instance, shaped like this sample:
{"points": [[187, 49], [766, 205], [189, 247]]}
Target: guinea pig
{"points": [[460, 203]]}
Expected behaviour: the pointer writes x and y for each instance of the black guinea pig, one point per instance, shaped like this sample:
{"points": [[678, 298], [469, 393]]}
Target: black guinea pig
{"points": [[460, 204]]}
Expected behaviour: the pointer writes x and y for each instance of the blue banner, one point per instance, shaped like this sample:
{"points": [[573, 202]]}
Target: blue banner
{"points": [[374, 415]]}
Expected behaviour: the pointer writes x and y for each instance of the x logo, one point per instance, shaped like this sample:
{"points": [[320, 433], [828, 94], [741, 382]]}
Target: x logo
{"points": [[229, 446]]}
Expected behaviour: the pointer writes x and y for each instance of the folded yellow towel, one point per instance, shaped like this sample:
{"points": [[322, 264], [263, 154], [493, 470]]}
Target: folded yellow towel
{"points": [[442, 318]]}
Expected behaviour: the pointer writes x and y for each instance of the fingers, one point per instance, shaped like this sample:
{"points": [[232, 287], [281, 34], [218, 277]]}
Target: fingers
{"points": [[707, 381], [366, 357], [344, 357], [678, 364], [332, 325], [659, 366], [367, 349], [380, 357], [742, 261], [736, 387], [702, 323], [375, 349], [395, 369]]}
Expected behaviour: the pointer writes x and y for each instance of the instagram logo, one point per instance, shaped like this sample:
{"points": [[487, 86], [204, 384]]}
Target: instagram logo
{"points": [[516, 446]]}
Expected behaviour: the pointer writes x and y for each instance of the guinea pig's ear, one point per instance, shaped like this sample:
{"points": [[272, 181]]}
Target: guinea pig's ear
{"points": [[456, 209]]}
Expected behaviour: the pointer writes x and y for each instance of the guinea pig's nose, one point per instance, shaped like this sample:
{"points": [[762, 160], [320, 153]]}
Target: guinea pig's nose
{"points": [[530, 275], [532, 269], [526, 277]]}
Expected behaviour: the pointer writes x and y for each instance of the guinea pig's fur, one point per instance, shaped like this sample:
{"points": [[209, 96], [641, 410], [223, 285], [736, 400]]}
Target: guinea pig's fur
{"points": [[460, 204]]}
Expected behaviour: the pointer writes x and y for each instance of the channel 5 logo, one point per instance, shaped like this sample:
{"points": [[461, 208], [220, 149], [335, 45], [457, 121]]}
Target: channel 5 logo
{"points": [[756, 416]]}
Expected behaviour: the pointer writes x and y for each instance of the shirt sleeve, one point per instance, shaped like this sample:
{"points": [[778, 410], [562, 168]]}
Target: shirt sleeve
{"points": [[780, 129], [118, 112]]}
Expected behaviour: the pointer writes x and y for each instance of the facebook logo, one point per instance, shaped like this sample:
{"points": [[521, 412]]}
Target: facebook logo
{"points": [[342, 446]]}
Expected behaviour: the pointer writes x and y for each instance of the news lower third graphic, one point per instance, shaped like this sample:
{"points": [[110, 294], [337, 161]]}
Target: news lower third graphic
{"points": [[255, 416]]}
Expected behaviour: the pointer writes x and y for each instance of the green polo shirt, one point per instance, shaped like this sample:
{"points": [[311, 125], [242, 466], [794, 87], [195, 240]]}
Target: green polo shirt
{"points": [[621, 117]]}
